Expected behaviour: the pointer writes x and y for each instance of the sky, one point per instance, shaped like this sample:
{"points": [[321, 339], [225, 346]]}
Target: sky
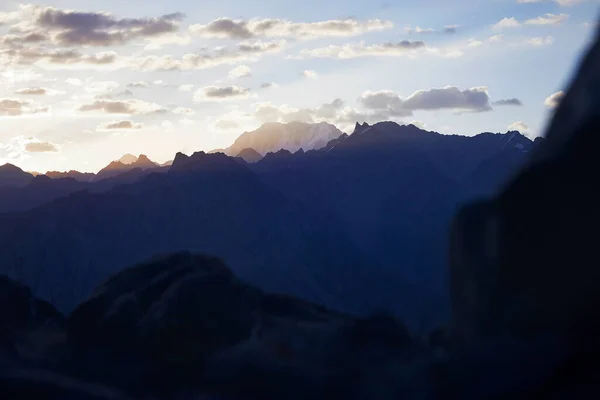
{"points": [[82, 83]]}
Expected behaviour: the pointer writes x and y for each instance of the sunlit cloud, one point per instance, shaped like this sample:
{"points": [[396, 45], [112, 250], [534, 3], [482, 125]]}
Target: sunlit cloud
{"points": [[122, 107], [254, 28], [554, 99], [241, 71], [120, 125]]}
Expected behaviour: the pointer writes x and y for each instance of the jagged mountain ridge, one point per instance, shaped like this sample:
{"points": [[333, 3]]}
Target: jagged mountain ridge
{"points": [[208, 203], [378, 202], [272, 137]]}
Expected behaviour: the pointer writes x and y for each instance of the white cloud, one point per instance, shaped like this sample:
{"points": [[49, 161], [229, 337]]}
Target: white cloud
{"points": [[74, 82], [520, 126], [554, 99], [474, 43], [157, 43], [100, 87], [496, 38], [509, 22], [129, 107], [183, 111], [139, 84], [361, 49], [243, 29], [540, 41], [310, 74], [418, 30], [186, 88], [120, 125], [548, 19], [15, 107], [241, 71], [18, 147], [245, 51]]}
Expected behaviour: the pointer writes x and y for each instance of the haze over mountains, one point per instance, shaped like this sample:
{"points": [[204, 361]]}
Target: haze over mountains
{"points": [[356, 223]]}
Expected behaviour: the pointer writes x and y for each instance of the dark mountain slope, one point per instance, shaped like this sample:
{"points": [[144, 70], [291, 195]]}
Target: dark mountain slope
{"points": [[207, 203], [396, 188]]}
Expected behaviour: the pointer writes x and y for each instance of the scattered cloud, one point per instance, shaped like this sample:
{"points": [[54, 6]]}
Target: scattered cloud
{"points": [[241, 71], [267, 85], [122, 107], [448, 29], [361, 49], [554, 99], [183, 111], [310, 74], [226, 28], [245, 51], [540, 41], [40, 147], [58, 58], [520, 126], [81, 28], [509, 22], [474, 43], [496, 38], [548, 19], [15, 107], [32, 91], [186, 88], [508, 102], [138, 84], [74, 82], [450, 97], [216, 93], [418, 30], [117, 125]]}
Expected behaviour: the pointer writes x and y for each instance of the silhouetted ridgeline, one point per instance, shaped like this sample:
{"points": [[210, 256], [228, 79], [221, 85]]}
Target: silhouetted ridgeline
{"points": [[359, 224]]}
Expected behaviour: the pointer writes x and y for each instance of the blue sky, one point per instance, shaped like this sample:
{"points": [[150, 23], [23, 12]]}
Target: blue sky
{"points": [[143, 79]]}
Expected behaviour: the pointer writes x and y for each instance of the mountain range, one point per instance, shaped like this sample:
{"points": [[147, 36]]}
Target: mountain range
{"points": [[357, 223]]}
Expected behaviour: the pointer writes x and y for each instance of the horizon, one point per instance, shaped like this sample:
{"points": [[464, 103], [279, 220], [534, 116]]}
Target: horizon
{"points": [[123, 158], [183, 78]]}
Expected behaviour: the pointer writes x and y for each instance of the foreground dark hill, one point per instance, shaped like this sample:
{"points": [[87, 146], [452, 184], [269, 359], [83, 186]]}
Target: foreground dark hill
{"points": [[184, 326], [207, 203]]}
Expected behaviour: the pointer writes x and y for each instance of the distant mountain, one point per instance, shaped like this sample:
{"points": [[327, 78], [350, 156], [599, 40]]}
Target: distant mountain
{"points": [[358, 224], [249, 155], [274, 136], [80, 176], [207, 203], [128, 159], [118, 167], [11, 175]]}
